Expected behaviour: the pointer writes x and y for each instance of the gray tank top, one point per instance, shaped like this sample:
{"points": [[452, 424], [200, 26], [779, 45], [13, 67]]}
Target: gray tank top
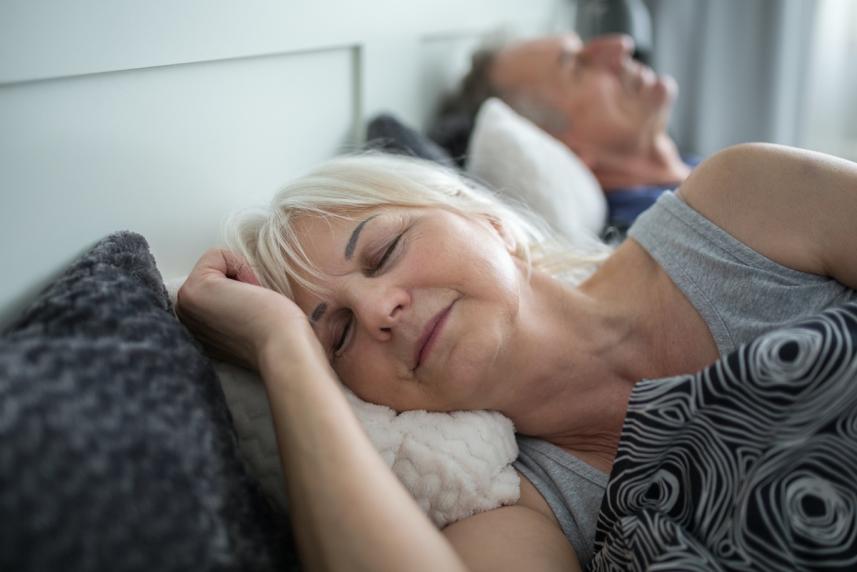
{"points": [[740, 294]]}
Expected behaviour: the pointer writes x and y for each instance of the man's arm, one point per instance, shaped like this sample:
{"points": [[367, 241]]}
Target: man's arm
{"points": [[798, 208]]}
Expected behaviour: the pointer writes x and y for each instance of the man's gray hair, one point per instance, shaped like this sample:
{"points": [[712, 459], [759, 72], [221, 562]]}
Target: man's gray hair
{"points": [[457, 114], [475, 86]]}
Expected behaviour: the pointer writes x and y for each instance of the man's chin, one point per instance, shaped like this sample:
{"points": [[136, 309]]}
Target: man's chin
{"points": [[660, 98]]}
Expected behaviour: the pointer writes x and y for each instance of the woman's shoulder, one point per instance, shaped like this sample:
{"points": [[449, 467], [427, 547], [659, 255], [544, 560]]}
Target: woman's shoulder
{"points": [[771, 198]]}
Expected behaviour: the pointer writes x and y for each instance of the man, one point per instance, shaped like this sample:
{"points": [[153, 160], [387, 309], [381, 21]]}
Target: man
{"points": [[609, 109]]}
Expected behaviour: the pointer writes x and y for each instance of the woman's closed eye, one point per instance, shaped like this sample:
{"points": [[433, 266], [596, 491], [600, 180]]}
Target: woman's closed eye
{"points": [[339, 346], [373, 269], [378, 265]]}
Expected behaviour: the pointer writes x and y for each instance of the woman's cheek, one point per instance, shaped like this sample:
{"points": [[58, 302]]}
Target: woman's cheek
{"points": [[358, 372]]}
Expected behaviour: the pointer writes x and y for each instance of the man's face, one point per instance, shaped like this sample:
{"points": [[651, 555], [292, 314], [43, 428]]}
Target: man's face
{"points": [[598, 98]]}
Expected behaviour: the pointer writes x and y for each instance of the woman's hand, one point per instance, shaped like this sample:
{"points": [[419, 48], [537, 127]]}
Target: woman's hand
{"points": [[222, 303]]}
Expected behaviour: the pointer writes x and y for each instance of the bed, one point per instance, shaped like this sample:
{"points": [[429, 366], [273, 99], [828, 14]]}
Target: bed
{"points": [[129, 132]]}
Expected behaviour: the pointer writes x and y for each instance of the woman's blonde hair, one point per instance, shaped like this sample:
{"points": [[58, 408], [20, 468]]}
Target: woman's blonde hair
{"points": [[348, 185]]}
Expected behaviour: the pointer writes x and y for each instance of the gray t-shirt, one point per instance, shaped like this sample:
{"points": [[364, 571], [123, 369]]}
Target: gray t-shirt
{"points": [[740, 294]]}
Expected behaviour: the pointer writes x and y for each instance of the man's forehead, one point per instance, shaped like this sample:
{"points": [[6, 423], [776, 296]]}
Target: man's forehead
{"points": [[549, 45], [571, 42], [528, 60]]}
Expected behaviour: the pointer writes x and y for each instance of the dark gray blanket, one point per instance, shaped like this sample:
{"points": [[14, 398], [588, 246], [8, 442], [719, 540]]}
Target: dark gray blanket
{"points": [[116, 447]]}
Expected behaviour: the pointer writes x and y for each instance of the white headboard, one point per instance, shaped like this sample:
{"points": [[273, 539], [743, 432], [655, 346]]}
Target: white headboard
{"points": [[162, 116]]}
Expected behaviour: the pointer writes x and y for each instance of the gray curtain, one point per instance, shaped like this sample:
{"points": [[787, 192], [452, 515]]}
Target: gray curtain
{"points": [[741, 67]]}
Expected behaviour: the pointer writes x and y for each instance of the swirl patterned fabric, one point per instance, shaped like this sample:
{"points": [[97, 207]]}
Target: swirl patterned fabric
{"points": [[750, 464]]}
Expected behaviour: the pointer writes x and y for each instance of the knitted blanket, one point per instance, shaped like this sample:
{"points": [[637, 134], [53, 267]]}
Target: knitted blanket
{"points": [[117, 450]]}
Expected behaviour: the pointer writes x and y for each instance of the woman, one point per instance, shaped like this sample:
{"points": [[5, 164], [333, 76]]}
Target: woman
{"points": [[417, 292]]}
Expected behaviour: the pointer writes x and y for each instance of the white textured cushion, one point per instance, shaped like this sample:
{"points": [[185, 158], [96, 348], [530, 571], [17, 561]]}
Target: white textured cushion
{"points": [[453, 464], [519, 159]]}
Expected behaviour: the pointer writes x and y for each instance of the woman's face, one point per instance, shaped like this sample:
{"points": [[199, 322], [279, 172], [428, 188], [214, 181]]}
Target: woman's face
{"points": [[421, 308]]}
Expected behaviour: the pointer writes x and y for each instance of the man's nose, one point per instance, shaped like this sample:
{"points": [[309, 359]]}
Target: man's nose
{"points": [[379, 307], [610, 51]]}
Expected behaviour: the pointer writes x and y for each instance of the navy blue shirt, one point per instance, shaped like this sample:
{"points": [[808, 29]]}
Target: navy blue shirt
{"points": [[625, 205]]}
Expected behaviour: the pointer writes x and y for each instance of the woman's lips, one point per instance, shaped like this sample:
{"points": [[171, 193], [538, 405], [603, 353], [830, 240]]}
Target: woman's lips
{"points": [[430, 334]]}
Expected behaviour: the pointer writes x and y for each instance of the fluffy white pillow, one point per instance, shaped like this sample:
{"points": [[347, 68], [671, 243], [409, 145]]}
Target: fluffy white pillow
{"points": [[453, 464], [519, 159]]}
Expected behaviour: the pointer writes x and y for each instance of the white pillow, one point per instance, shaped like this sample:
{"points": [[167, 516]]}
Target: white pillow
{"points": [[520, 160], [453, 464]]}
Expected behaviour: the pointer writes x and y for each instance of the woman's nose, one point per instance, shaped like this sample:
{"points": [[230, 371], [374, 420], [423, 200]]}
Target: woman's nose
{"points": [[380, 306]]}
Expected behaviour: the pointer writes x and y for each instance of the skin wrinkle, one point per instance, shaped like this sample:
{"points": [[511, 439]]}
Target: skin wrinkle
{"points": [[319, 310]]}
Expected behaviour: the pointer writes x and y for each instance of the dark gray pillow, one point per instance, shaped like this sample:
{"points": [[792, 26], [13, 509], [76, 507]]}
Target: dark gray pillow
{"points": [[116, 447], [386, 133]]}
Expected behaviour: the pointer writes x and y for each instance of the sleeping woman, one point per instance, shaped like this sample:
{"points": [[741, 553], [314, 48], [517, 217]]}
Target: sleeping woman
{"points": [[418, 290]]}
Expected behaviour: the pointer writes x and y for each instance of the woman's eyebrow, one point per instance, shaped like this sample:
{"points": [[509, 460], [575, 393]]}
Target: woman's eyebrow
{"points": [[355, 234], [319, 310]]}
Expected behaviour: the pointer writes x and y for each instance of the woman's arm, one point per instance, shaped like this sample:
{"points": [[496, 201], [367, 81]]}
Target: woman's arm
{"points": [[796, 207], [349, 510], [525, 536]]}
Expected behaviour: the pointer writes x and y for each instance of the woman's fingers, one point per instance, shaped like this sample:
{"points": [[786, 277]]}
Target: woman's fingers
{"points": [[223, 304], [226, 263], [237, 268]]}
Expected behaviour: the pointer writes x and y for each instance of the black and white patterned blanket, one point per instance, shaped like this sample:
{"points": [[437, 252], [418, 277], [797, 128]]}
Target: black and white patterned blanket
{"points": [[750, 464]]}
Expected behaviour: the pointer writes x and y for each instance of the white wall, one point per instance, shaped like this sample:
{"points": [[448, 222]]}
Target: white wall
{"points": [[162, 116], [831, 119]]}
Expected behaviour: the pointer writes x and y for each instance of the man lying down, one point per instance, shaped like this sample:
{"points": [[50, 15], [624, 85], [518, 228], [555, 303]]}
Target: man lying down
{"points": [[418, 290], [610, 110]]}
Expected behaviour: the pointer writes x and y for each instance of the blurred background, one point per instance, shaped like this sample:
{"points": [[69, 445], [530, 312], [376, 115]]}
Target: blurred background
{"points": [[163, 115], [782, 71]]}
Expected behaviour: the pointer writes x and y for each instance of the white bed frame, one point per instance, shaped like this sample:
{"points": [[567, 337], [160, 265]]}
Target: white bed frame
{"points": [[162, 116]]}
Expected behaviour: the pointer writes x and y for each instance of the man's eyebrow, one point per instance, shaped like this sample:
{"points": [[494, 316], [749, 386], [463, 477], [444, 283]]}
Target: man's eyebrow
{"points": [[355, 234]]}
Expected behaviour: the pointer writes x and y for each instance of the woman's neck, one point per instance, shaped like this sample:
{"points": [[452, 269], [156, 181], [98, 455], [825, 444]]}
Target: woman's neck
{"points": [[586, 348]]}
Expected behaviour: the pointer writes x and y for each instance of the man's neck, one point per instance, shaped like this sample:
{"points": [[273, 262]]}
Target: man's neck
{"points": [[651, 164]]}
